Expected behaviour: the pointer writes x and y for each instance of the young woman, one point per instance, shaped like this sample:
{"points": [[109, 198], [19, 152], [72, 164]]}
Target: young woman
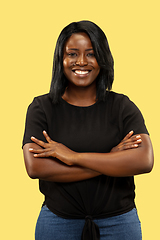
{"points": [[85, 143]]}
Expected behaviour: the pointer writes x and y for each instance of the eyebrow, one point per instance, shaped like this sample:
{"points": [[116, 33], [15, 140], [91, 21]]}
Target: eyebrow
{"points": [[76, 49]]}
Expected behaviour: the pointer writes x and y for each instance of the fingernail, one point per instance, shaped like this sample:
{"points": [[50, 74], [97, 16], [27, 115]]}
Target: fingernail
{"points": [[138, 136], [32, 137], [44, 131], [30, 149], [139, 140], [136, 145], [131, 131]]}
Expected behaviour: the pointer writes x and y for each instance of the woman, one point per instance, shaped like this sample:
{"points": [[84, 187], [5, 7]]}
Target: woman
{"points": [[85, 143]]}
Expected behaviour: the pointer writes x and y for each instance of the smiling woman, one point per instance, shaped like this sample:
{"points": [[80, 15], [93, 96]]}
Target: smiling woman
{"points": [[101, 51], [80, 67], [94, 142]]}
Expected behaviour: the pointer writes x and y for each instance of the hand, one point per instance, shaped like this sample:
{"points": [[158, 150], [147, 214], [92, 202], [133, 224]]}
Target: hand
{"points": [[129, 142], [53, 149]]}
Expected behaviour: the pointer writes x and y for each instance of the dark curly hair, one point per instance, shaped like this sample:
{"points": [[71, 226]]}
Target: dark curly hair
{"points": [[103, 56]]}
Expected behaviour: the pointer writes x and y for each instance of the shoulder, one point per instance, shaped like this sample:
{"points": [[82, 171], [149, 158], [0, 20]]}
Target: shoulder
{"points": [[40, 106], [121, 105], [117, 100], [115, 96], [122, 102], [42, 101]]}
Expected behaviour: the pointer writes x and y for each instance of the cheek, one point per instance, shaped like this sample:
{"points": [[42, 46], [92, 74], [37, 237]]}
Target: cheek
{"points": [[66, 68], [65, 63]]}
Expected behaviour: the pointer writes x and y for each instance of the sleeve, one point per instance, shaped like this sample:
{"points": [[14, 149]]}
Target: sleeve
{"points": [[35, 122], [132, 118]]}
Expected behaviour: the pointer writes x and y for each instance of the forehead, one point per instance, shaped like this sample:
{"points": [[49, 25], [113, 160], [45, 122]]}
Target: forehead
{"points": [[78, 40]]}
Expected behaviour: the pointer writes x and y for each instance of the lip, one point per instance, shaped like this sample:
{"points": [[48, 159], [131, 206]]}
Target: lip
{"points": [[81, 73], [81, 69]]}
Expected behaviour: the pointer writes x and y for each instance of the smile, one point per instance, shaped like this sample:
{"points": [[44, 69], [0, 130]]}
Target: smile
{"points": [[81, 73]]}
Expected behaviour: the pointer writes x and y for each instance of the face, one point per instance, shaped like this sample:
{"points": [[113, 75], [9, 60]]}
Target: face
{"points": [[79, 63]]}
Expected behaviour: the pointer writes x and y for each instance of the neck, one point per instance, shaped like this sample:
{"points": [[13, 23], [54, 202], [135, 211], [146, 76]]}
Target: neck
{"points": [[80, 96]]}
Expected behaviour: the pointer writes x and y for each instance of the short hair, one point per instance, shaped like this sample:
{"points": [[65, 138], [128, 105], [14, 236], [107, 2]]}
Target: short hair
{"points": [[103, 56]]}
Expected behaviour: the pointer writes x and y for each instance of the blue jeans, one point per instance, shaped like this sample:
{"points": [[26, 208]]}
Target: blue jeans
{"points": [[122, 227]]}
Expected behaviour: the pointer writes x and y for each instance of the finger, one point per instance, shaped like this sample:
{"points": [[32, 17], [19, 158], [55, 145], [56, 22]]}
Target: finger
{"points": [[138, 141], [39, 142], [138, 136], [130, 145], [126, 147], [133, 139], [33, 150], [128, 135], [40, 155], [49, 140], [44, 154]]}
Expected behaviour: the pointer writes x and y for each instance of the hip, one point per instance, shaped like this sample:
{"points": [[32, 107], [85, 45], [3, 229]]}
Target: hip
{"points": [[125, 226]]}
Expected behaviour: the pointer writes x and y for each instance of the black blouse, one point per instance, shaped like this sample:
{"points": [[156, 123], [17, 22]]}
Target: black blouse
{"points": [[96, 128]]}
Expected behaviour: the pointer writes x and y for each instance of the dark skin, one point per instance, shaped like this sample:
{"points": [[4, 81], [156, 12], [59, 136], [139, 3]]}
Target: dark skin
{"points": [[53, 161]]}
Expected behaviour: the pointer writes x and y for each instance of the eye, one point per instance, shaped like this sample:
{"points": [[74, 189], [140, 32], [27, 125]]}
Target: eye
{"points": [[72, 54], [90, 54]]}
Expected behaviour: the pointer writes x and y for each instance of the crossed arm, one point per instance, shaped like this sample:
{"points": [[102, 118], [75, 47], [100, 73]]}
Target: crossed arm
{"points": [[53, 161]]}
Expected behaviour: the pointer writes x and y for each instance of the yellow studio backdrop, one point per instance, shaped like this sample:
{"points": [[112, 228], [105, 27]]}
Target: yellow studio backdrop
{"points": [[29, 30]]}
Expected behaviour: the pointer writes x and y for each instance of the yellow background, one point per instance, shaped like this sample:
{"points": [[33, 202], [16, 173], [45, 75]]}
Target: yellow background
{"points": [[29, 29]]}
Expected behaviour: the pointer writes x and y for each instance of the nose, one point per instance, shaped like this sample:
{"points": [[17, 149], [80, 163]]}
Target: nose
{"points": [[81, 60]]}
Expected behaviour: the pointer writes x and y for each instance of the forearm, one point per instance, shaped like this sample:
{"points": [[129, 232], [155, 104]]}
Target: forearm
{"points": [[55, 171], [119, 164], [50, 169]]}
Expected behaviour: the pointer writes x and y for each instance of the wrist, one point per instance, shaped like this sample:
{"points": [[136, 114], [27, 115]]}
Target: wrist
{"points": [[76, 158]]}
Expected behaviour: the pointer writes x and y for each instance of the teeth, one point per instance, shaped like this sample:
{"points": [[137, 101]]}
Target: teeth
{"points": [[81, 72]]}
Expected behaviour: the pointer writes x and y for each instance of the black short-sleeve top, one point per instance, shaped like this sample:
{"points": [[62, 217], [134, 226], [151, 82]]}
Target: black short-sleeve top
{"points": [[96, 128]]}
